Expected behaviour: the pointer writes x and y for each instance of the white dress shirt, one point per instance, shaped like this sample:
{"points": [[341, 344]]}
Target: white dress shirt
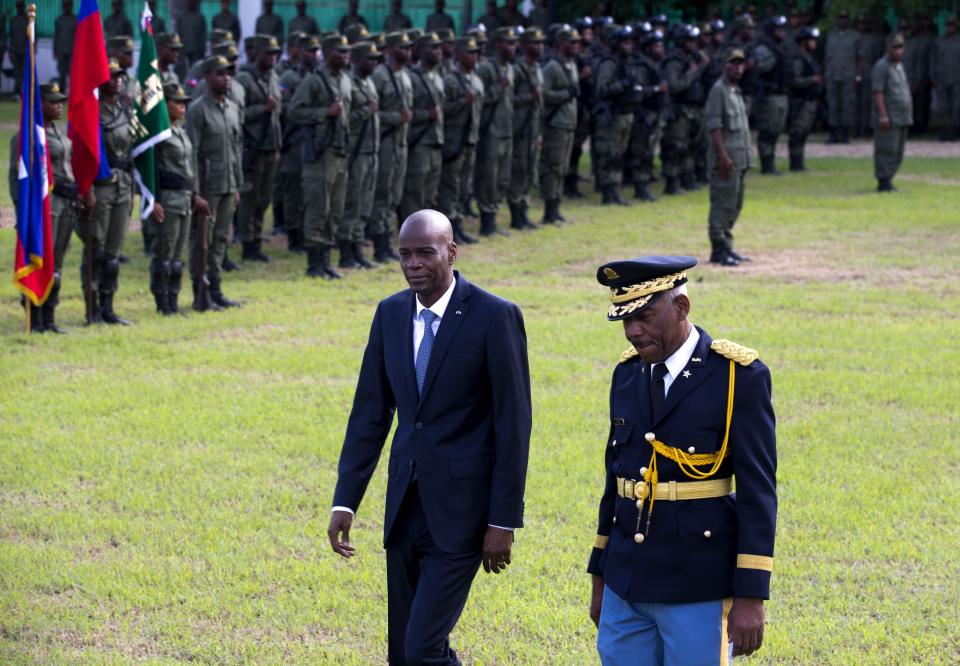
{"points": [[678, 360]]}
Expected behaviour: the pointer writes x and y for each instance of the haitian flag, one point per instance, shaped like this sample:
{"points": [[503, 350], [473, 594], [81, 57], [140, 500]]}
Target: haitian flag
{"points": [[88, 71], [33, 260]]}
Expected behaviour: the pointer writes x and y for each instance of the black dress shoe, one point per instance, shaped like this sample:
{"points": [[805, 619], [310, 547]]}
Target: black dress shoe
{"points": [[738, 257]]}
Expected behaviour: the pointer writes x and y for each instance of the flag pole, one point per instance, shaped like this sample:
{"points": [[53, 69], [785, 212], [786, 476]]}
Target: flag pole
{"points": [[31, 20]]}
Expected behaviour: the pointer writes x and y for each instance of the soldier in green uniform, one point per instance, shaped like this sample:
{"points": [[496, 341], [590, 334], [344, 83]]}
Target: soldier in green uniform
{"points": [[462, 106], [169, 48], [527, 127], [648, 114], [772, 104], [615, 92], [447, 62], [840, 67], [362, 160], [214, 126], [64, 202], [63, 31], [18, 44], [945, 74], [269, 23], [492, 177], [870, 47], [683, 72], [322, 105], [289, 180], [425, 142], [176, 201], [561, 89], [114, 195], [806, 84], [892, 113], [192, 27], [395, 95], [728, 158], [117, 22], [226, 20], [261, 144], [303, 22]]}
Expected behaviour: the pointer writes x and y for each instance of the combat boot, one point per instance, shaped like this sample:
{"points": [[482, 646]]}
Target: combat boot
{"points": [[525, 215], [459, 234], [201, 298], [346, 255], [36, 315], [315, 262], [611, 196], [570, 187], [796, 163], [229, 264], [516, 217], [768, 165], [550, 214], [252, 251], [488, 224], [325, 264], [158, 285], [216, 294], [295, 241], [885, 185], [642, 192], [108, 287], [719, 255], [173, 286], [358, 258], [672, 187], [50, 305]]}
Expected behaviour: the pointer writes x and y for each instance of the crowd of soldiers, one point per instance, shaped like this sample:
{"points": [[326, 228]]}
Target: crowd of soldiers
{"points": [[354, 130]]}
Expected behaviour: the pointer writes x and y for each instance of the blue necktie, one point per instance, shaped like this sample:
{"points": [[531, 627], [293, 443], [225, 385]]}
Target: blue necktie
{"points": [[426, 346]]}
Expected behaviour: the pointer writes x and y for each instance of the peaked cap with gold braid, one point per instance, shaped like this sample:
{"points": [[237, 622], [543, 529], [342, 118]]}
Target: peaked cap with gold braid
{"points": [[636, 284]]}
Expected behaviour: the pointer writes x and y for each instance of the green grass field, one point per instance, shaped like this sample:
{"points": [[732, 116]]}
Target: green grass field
{"points": [[165, 488]]}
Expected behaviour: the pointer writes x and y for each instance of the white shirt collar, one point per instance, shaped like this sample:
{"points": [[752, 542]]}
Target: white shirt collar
{"points": [[679, 359], [440, 306]]}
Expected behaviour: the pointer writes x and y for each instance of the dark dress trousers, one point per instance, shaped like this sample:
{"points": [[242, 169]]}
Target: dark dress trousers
{"points": [[458, 459]]}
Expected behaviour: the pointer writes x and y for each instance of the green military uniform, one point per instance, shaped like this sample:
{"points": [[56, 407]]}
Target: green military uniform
{"points": [[647, 122], [215, 130], [261, 149], [177, 179], [324, 157], [305, 24], [192, 27], [289, 177], [613, 114], [461, 130], [495, 146], [227, 20], [684, 80], [18, 48], [425, 142], [561, 90], [117, 24], [772, 103], [63, 31], [270, 24], [916, 64], [362, 162], [890, 79], [840, 69], [527, 133], [727, 112], [945, 73], [805, 91], [395, 92], [870, 48]]}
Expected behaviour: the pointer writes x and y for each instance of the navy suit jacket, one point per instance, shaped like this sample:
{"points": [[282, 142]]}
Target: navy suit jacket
{"points": [[467, 437]]}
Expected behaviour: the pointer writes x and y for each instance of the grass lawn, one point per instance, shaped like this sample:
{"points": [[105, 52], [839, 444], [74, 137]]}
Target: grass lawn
{"points": [[165, 488]]}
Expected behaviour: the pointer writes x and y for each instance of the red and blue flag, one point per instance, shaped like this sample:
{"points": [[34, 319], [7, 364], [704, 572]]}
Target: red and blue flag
{"points": [[33, 261]]}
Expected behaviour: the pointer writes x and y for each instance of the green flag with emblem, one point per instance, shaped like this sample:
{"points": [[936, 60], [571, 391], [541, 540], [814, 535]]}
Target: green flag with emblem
{"points": [[151, 124]]}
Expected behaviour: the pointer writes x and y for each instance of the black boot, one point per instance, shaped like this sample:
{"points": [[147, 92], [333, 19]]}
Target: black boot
{"points": [[739, 258], [720, 255], [459, 234], [295, 241], [796, 162], [173, 286], [488, 225], [216, 294], [325, 264], [315, 262], [50, 305], [642, 192], [158, 284], [252, 251], [108, 287], [768, 165], [611, 196], [202, 302], [36, 315], [570, 188], [551, 212], [672, 187], [346, 254], [525, 214], [516, 217], [229, 264], [885, 185], [358, 258]]}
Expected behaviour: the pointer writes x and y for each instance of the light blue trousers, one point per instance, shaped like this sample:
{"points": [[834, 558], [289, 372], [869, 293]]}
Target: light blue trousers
{"points": [[637, 634]]}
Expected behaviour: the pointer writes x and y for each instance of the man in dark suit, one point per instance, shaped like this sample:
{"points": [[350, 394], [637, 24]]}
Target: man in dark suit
{"points": [[681, 564], [451, 360]]}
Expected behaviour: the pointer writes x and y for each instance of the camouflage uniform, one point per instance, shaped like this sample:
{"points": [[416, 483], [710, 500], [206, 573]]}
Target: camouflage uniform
{"points": [[527, 133], [495, 144]]}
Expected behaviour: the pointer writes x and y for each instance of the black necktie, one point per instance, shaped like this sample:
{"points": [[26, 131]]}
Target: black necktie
{"points": [[657, 396]]}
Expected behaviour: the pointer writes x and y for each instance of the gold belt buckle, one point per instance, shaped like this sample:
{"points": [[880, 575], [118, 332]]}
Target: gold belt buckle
{"points": [[629, 485], [672, 490]]}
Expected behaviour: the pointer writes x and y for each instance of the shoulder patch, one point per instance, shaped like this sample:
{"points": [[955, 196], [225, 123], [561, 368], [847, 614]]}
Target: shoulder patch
{"points": [[733, 351], [628, 354]]}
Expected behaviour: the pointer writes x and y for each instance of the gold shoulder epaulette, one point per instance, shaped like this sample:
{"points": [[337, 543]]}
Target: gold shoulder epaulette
{"points": [[733, 351], [627, 355]]}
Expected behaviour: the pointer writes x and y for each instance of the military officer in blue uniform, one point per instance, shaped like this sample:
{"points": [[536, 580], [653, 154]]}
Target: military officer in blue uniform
{"points": [[681, 564]]}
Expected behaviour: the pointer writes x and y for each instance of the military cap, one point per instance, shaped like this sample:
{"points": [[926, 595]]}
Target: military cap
{"points": [[379, 39], [896, 39], [226, 49], [531, 36], [294, 38], [215, 64], [650, 38], [620, 34], [569, 34], [718, 25], [366, 50], [398, 40], [583, 22], [736, 54], [414, 34], [466, 43], [335, 41], [249, 41], [267, 43], [777, 21], [114, 67], [169, 40], [356, 32], [309, 43], [218, 35], [684, 32], [479, 35], [51, 92], [446, 35], [706, 29], [428, 39], [121, 43], [174, 92], [636, 284], [743, 21], [505, 33], [641, 28], [807, 33]]}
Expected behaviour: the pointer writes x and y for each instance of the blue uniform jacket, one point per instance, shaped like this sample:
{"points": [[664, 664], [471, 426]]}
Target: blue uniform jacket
{"points": [[703, 549], [467, 437]]}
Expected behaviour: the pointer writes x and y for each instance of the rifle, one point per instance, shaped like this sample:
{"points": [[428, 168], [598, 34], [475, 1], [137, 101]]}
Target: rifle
{"points": [[201, 299]]}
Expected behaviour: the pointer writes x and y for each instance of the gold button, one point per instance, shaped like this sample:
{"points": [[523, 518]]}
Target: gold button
{"points": [[707, 533], [692, 449], [639, 503], [638, 537], [614, 443], [650, 437], [643, 470]]}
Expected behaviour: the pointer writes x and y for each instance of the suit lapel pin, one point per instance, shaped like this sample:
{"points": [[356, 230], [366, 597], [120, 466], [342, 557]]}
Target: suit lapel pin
{"points": [[686, 374], [696, 359], [459, 312]]}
